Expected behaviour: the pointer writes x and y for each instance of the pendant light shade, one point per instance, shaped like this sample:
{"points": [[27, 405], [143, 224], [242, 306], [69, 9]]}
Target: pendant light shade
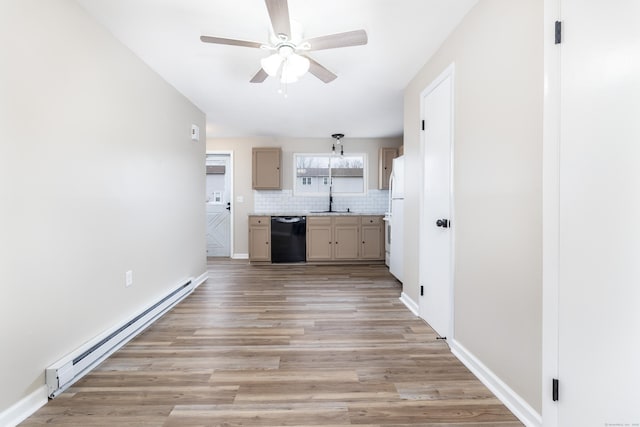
{"points": [[297, 65], [271, 64], [287, 63]]}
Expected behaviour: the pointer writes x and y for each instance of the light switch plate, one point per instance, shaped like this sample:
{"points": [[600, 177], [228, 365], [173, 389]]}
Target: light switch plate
{"points": [[195, 133]]}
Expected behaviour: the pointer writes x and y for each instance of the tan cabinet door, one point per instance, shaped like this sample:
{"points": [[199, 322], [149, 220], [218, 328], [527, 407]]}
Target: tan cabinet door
{"points": [[346, 237], [346, 242], [319, 243], [259, 238], [266, 166], [372, 242], [372, 236], [385, 162]]}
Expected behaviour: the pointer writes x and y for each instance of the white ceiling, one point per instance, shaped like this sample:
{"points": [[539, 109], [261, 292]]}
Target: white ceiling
{"points": [[366, 100]]}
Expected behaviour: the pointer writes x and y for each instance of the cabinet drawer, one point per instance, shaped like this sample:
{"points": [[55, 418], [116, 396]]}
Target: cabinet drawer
{"points": [[259, 220], [371, 220], [318, 220]]}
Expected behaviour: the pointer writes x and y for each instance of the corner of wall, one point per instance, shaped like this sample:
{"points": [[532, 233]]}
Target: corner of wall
{"points": [[24, 408], [512, 400]]}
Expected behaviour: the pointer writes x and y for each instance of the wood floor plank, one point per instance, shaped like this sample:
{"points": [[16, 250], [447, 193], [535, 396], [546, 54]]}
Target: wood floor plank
{"points": [[283, 345], [292, 414]]}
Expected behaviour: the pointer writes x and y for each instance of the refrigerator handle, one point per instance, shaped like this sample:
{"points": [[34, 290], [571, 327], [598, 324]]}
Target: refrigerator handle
{"points": [[390, 192]]}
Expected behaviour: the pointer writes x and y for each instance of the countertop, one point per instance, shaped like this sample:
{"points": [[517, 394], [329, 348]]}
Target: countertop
{"points": [[308, 213]]}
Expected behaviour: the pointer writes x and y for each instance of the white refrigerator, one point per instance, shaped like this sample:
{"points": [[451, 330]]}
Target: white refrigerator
{"points": [[394, 219]]}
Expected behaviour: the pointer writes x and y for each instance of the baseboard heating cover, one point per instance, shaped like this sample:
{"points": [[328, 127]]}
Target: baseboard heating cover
{"points": [[75, 365]]}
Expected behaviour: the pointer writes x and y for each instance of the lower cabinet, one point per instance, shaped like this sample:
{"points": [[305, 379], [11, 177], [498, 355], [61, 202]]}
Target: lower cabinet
{"points": [[346, 230], [319, 238], [345, 238], [259, 238], [372, 232], [329, 238]]}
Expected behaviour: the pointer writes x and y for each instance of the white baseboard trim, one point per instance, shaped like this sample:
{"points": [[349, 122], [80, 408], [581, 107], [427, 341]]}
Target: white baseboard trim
{"points": [[240, 256], [200, 279], [24, 408], [510, 398], [411, 304]]}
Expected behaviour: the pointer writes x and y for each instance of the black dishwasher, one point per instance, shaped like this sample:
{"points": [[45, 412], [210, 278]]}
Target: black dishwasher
{"points": [[288, 238]]}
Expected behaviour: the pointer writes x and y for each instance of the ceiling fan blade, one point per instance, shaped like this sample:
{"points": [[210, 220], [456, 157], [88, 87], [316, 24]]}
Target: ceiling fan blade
{"points": [[232, 42], [350, 38], [320, 71], [260, 76], [279, 14]]}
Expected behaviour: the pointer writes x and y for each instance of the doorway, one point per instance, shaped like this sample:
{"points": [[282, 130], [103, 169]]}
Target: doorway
{"points": [[436, 206], [218, 204]]}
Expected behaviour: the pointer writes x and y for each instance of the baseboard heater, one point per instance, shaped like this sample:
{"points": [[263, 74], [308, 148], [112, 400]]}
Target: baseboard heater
{"points": [[75, 365]]}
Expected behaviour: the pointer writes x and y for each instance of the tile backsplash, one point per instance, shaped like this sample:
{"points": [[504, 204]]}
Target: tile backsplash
{"points": [[283, 201]]}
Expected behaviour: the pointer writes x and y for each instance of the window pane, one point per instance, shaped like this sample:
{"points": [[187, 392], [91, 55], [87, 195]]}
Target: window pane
{"points": [[344, 174], [348, 174]]}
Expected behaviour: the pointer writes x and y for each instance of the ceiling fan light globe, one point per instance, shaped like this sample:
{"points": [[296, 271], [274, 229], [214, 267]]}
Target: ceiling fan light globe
{"points": [[271, 64], [298, 65], [287, 76]]}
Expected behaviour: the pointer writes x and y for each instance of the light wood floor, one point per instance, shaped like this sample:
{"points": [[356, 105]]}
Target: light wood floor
{"points": [[282, 345]]}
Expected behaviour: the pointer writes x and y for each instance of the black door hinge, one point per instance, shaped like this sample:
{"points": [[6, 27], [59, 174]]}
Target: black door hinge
{"points": [[421, 291], [423, 125], [555, 389], [558, 32]]}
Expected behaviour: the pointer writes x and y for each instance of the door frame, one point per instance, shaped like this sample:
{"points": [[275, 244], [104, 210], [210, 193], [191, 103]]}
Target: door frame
{"points": [[448, 72], [550, 213], [231, 195]]}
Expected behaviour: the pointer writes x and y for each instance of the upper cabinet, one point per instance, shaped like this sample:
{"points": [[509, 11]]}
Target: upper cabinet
{"points": [[266, 167], [385, 161]]}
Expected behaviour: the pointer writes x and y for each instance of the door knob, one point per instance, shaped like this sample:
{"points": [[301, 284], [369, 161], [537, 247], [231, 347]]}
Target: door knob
{"points": [[228, 206], [444, 223]]}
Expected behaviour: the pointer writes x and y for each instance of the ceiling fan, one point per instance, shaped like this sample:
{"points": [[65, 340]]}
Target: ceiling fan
{"points": [[289, 58]]}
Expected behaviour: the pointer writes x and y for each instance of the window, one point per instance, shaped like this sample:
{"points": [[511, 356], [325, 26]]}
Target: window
{"points": [[338, 174]]}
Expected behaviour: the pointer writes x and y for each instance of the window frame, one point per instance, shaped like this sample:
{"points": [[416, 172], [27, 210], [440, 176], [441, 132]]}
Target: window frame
{"points": [[365, 175]]}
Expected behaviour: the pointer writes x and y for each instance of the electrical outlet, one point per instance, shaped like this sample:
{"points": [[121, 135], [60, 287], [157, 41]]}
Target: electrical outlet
{"points": [[128, 279]]}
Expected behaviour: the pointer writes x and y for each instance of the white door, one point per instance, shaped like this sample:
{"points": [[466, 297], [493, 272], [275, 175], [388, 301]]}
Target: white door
{"points": [[218, 205], [435, 250], [599, 215]]}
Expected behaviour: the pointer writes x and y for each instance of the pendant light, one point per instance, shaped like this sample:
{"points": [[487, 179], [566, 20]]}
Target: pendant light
{"points": [[337, 137]]}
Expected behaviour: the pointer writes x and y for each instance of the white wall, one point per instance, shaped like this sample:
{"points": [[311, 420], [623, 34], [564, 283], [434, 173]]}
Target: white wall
{"points": [[98, 176], [497, 50], [241, 148]]}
